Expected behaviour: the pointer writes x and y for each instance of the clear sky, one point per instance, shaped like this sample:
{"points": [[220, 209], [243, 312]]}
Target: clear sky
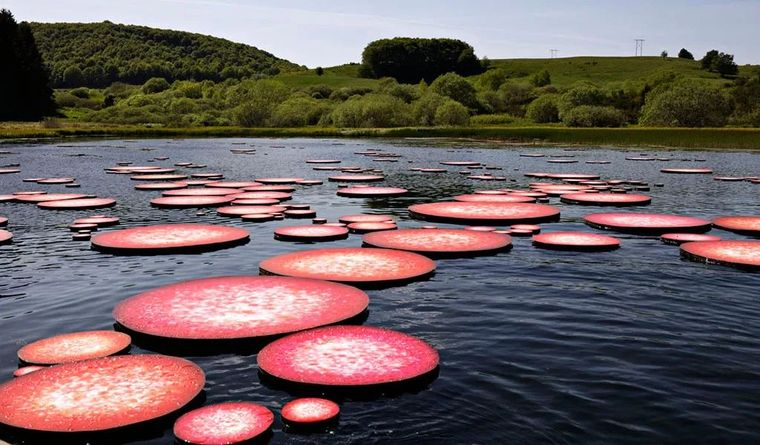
{"points": [[313, 32]]}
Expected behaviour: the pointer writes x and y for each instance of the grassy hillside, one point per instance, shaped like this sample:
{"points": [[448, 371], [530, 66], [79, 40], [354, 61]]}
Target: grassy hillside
{"points": [[97, 54], [335, 77]]}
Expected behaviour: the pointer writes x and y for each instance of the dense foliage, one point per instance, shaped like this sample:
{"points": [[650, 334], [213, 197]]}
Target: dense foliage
{"points": [[721, 63]]}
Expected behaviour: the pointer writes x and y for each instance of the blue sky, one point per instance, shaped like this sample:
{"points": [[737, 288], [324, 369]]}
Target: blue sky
{"points": [[329, 33]]}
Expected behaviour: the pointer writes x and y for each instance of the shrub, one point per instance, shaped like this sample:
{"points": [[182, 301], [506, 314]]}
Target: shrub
{"points": [[493, 119], [541, 79], [492, 79], [155, 85], [82, 93], [424, 109], [457, 88], [256, 100], [544, 110], [593, 116], [452, 113], [372, 110], [344, 94], [686, 104], [514, 97], [581, 94], [298, 112]]}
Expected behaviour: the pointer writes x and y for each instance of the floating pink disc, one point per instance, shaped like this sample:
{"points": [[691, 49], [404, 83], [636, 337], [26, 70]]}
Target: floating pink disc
{"points": [[223, 424], [743, 254], [309, 182], [237, 211], [161, 186], [311, 233], [255, 202], [490, 192], [687, 171], [8, 198], [433, 170], [746, 225], [278, 180], [26, 370], [576, 241], [371, 192], [53, 181], [280, 196], [439, 241], [348, 356], [461, 163], [233, 184], [653, 223], [104, 221], [680, 238], [484, 212], [158, 177], [606, 199], [351, 265], [260, 217], [168, 238], [323, 161], [180, 202], [270, 188], [531, 227], [202, 192], [5, 237], [348, 219], [571, 176], [78, 204], [310, 410], [239, 307], [48, 197], [356, 178], [100, 394], [74, 347], [367, 227], [478, 197]]}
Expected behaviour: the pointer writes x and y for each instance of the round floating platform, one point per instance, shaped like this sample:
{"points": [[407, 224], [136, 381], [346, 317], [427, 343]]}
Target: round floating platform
{"points": [[351, 265], [367, 227], [9, 171], [461, 163], [729, 178], [270, 188], [233, 184], [237, 211], [100, 394], [571, 176], [443, 242], [484, 212], [280, 196], [161, 186], [371, 192], [312, 233], [8, 198], [240, 307], [680, 238], [54, 181], [158, 177], [687, 171], [3, 221], [275, 181], [78, 204], [647, 223], [26, 370], [74, 347], [606, 199], [356, 178], [48, 197], [742, 254], [202, 192], [433, 170], [83, 227], [576, 241], [323, 161], [181, 202], [223, 424], [745, 225], [531, 227], [348, 219], [479, 197], [169, 238], [255, 202], [348, 356], [100, 221], [310, 410], [5, 237], [260, 217]]}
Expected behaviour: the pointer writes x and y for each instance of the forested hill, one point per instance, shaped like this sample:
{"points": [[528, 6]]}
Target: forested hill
{"points": [[98, 54]]}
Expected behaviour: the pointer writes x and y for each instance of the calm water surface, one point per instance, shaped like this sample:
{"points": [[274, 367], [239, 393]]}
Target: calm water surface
{"points": [[631, 346]]}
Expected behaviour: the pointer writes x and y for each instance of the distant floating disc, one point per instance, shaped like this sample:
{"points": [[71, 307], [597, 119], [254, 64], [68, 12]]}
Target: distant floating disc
{"points": [[367, 227], [161, 186], [371, 192], [102, 221], [479, 197], [571, 176], [323, 161], [480, 229], [484, 212], [648, 223], [680, 238], [576, 241], [351, 265], [169, 238], [8, 198], [348, 356], [5, 237], [74, 347], [239, 307], [742, 254], [270, 188], [54, 181], [461, 163], [202, 192], [26, 370], [443, 242], [224, 424], [233, 184], [729, 178], [433, 170], [258, 217], [158, 177], [606, 199], [687, 171], [78, 204], [348, 219], [311, 233], [562, 161], [255, 202], [237, 211], [532, 155], [356, 178], [310, 410], [100, 394], [276, 181], [280, 196], [181, 202], [746, 225], [48, 197]]}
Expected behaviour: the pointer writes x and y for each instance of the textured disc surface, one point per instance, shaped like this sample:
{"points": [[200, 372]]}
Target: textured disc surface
{"points": [[104, 221], [78, 204], [655, 223], [191, 201], [366, 227], [438, 241], [490, 212], [745, 254], [311, 233], [348, 219], [748, 225], [369, 192], [606, 199], [576, 241], [223, 424], [169, 237], [479, 197], [74, 347], [310, 410]]}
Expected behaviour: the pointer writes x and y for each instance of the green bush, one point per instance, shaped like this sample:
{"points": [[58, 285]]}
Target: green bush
{"points": [[686, 104], [581, 94], [593, 116], [82, 93], [155, 85], [344, 94], [541, 79], [452, 113], [256, 100], [424, 109], [371, 111], [298, 112], [514, 97], [455, 87], [492, 79], [544, 110]]}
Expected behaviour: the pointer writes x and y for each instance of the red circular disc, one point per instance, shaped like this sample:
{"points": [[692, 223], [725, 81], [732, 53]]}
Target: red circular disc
{"points": [[48, 197], [103, 221], [746, 225], [158, 177], [531, 227], [654, 223], [606, 199], [743, 254], [202, 192], [100, 394], [323, 161], [56, 181], [484, 212], [480, 229], [255, 202], [367, 227], [169, 238], [270, 188], [351, 265], [348, 219], [311, 233], [461, 163], [78, 204], [280, 196], [439, 241], [5, 237], [161, 186], [356, 178], [279, 180], [26, 370], [680, 238], [348, 356], [223, 424], [310, 410], [239, 307], [232, 184], [479, 197], [576, 241], [371, 192], [237, 211], [179, 202], [74, 347], [687, 171]]}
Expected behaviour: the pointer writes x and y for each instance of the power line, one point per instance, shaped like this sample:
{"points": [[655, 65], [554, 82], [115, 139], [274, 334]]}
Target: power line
{"points": [[639, 47]]}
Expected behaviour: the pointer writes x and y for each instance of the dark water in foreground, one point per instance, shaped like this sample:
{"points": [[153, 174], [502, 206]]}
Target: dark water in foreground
{"points": [[632, 346]]}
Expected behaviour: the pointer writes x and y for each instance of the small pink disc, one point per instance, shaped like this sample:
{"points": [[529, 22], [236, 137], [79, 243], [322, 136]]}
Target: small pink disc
{"points": [[348, 219], [8, 171], [5, 237], [48, 197], [181, 202], [742, 254], [100, 221], [680, 238], [3, 221], [687, 171], [746, 225], [606, 199], [367, 227], [169, 238], [461, 163], [74, 347], [270, 188], [356, 178], [439, 241], [238, 211], [78, 204], [54, 181], [653, 223], [323, 161], [223, 424], [202, 192], [479, 197], [371, 192], [576, 241], [484, 212], [311, 233], [310, 410]]}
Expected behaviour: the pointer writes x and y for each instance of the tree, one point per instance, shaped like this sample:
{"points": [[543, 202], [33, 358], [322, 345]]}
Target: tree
{"points": [[685, 54], [686, 104], [452, 113], [455, 87], [724, 65], [155, 85], [73, 77], [593, 116], [544, 110], [319, 71], [707, 60], [664, 54], [541, 79]]}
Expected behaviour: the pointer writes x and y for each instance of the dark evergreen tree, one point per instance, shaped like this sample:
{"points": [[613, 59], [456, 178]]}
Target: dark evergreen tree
{"points": [[685, 54], [707, 60]]}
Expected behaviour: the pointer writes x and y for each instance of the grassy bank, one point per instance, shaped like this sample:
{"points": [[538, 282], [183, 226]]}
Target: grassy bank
{"points": [[710, 138]]}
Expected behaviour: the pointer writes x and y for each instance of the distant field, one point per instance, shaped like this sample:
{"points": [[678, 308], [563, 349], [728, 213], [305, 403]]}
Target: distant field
{"points": [[335, 77]]}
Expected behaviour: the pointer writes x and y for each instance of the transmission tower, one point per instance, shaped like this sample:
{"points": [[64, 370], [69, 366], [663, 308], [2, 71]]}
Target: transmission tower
{"points": [[639, 47], [553, 53]]}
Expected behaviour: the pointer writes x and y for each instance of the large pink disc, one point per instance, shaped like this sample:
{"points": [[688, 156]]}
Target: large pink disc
{"points": [[654, 223], [484, 212], [576, 241], [439, 241], [78, 204], [461, 163], [169, 238], [275, 181], [348, 219], [223, 424], [311, 233], [356, 178], [74, 347], [5, 237], [743, 254], [232, 184], [8, 171], [371, 192], [310, 410], [747, 225], [348, 356], [177, 202], [479, 197], [351, 265], [680, 238], [49, 197], [100, 394], [237, 211], [687, 171], [202, 192], [606, 199], [239, 307]]}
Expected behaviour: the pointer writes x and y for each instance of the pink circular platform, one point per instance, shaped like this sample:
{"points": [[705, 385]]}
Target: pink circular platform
{"points": [[181, 202], [238, 211], [443, 242], [9, 171], [280, 196], [687, 171], [311, 233], [323, 161], [367, 227], [310, 410], [100, 394], [348, 219], [581, 241], [351, 265], [74, 347], [78, 204], [371, 192], [169, 238], [158, 177], [275, 181], [742, 254], [745, 225], [255, 202], [233, 184], [223, 424], [202, 192], [54, 181], [356, 178], [26, 370], [348, 356], [160, 186], [606, 199], [270, 188], [484, 212], [461, 163], [479, 197], [680, 238], [100, 221], [650, 223], [5, 237], [48, 197]]}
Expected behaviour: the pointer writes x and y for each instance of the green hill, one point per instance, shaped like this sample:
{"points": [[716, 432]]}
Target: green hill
{"points": [[98, 54]]}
